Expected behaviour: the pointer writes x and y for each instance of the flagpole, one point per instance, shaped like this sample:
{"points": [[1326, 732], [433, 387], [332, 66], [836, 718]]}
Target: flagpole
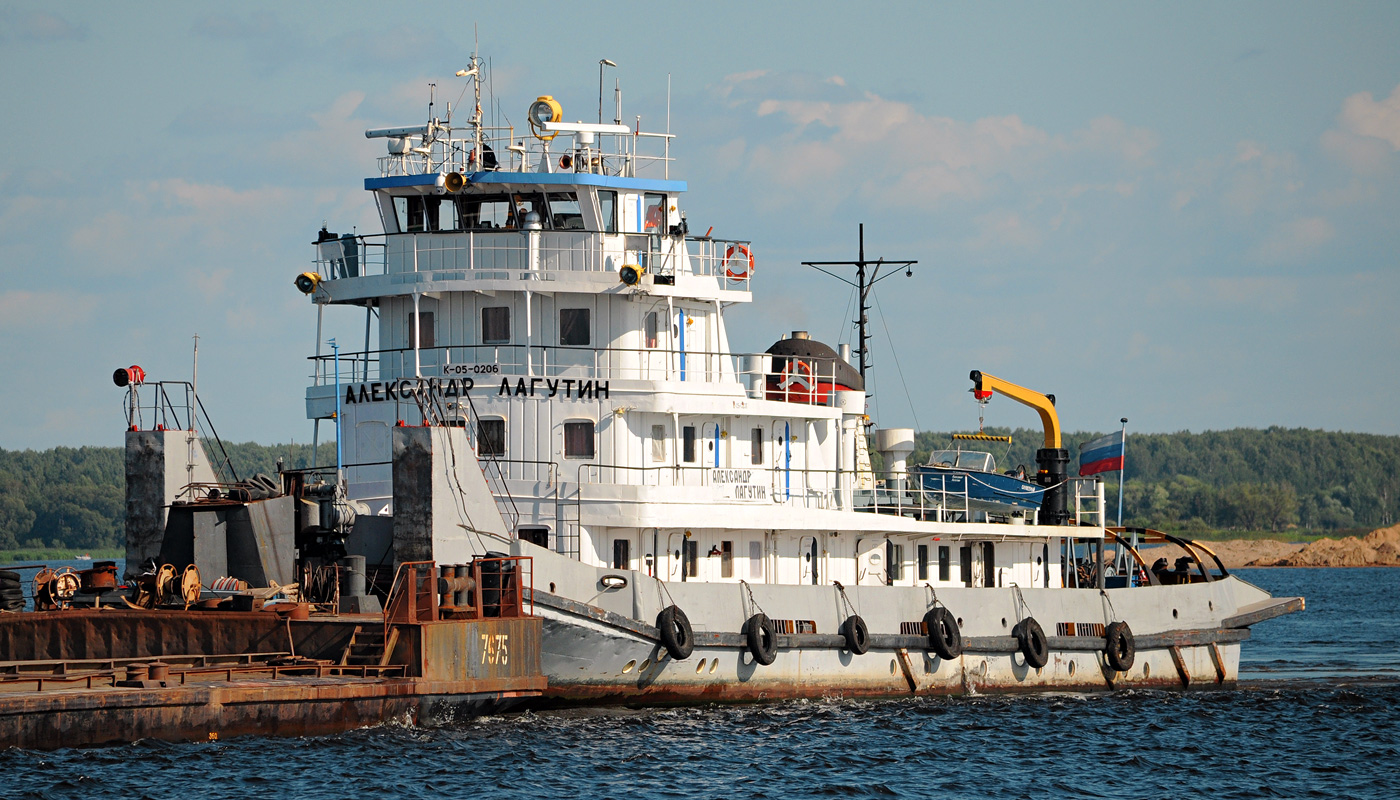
{"points": [[1120, 476], [1122, 468]]}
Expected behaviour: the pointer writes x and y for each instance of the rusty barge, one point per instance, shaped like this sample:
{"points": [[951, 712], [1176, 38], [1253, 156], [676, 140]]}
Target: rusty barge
{"points": [[304, 649]]}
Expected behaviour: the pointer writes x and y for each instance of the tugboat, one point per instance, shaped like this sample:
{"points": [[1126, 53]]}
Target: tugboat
{"points": [[546, 375]]}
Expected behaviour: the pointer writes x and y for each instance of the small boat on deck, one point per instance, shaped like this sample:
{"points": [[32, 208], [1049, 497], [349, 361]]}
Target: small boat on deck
{"points": [[969, 477]]}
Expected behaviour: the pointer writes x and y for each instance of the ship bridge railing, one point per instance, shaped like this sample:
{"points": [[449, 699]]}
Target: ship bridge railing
{"points": [[634, 154], [578, 372], [811, 489], [497, 254]]}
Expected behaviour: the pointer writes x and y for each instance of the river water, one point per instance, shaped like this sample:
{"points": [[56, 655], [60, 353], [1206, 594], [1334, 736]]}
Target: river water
{"points": [[1314, 716]]}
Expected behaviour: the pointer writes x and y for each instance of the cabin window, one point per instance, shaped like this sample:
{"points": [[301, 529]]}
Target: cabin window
{"points": [[894, 562], [607, 204], [651, 328], [622, 554], [726, 559], [755, 560], [495, 325], [654, 219], [688, 444], [692, 559], [1045, 562], [491, 438], [965, 565], [658, 444], [756, 446], [923, 562], [944, 568], [575, 327], [989, 565], [425, 330], [564, 210], [578, 438]]}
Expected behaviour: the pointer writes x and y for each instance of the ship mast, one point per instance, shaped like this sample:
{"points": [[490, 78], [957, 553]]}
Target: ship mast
{"points": [[863, 284]]}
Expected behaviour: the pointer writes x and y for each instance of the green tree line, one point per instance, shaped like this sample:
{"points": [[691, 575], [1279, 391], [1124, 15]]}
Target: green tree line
{"points": [[1243, 479], [76, 497]]}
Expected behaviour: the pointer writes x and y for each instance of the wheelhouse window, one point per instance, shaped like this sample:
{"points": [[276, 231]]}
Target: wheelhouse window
{"points": [[651, 326], [923, 562], [688, 444], [495, 325], [607, 205], [491, 438], [622, 554], [755, 559], [756, 446], [654, 216], [575, 327], [578, 439], [726, 559], [564, 212], [965, 565], [945, 569]]}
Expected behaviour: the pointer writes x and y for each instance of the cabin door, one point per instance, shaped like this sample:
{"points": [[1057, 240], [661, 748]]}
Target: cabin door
{"points": [[674, 557], [979, 566], [656, 343], [808, 564], [870, 562]]}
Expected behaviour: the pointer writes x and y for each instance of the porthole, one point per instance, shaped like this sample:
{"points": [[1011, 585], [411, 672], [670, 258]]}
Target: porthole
{"points": [[1173, 613], [714, 665], [1003, 622], [893, 666], [1071, 669], [631, 665], [1146, 670], [960, 622], [646, 664], [1039, 670], [551, 587], [699, 668], [1210, 604]]}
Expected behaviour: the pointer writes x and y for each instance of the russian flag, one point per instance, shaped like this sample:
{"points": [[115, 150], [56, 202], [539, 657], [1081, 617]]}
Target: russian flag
{"points": [[1104, 454]]}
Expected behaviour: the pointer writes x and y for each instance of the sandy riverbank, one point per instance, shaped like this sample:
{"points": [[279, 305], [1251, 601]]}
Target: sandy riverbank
{"points": [[1379, 548]]}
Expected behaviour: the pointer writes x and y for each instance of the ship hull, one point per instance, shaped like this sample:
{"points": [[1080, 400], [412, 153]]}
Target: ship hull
{"points": [[595, 652]]}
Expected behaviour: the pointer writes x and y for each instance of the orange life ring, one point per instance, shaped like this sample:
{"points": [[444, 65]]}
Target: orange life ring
{"points": [[729, 271], [793, 375]]}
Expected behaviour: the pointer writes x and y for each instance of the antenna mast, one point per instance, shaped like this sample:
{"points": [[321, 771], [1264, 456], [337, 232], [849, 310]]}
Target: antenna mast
{"points": [[863, 283]]}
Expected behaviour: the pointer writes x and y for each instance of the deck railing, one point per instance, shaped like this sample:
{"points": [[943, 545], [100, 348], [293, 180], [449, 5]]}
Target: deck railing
{"points": [[496, 254]]}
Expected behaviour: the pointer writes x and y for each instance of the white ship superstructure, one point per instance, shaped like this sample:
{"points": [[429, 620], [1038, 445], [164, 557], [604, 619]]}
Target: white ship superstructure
{"points": [[704, 522]]}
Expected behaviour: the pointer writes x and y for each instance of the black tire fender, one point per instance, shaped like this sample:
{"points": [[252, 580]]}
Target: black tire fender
{"points": [[676, 634], [1032, 642], [857, 635], [1119, 648], [762, 638], [944, 637]]}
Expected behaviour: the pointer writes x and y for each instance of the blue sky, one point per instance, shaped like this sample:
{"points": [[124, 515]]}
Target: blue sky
{"points": [[1180, 213]]}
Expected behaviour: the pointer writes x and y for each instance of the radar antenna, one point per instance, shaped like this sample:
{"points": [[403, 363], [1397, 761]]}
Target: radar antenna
{"points": [[863, 284]]}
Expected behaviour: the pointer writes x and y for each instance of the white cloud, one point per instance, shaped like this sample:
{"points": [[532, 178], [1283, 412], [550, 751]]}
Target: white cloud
{"points": [[26, 311], [1362, 115], [823, 133], [1294, 240]]}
